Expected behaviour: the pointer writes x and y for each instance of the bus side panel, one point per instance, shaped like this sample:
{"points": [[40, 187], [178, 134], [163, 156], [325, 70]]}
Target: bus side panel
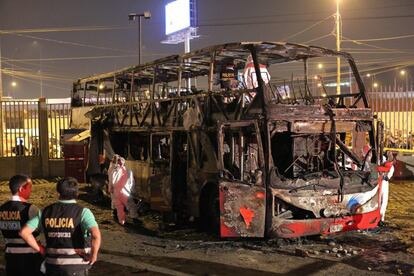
{"points": [[141, 171], [161, 190], [242, 210]]}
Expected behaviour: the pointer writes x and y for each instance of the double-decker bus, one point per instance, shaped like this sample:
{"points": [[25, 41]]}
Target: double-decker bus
{"points": [[255, 139]]}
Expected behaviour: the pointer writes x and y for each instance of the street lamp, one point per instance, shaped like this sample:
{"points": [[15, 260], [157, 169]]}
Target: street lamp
{"points": [[371, 79], [13, 85], [36, 44], [132, 17], [404, 74]]}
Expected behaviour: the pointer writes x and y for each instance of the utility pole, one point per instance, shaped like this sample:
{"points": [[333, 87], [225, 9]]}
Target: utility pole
{"points": [[1, 75], [1, 103], [338, 47], [37, 44], [187, 50]]}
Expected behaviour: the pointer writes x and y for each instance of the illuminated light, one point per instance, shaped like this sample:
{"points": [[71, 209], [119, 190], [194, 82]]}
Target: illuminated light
{"points": [[375, 84], [14, 84], [324, 95], [101, 86], [260, 195], [334, 84], [177, 16], [319, 84], [316, 77], [283, 97], [368, 75], [402, 72], [320, 65]]}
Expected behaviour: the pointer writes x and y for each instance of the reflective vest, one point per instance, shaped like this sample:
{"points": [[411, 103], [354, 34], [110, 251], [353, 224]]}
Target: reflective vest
{"points": [[66, 245], [13, 216]]}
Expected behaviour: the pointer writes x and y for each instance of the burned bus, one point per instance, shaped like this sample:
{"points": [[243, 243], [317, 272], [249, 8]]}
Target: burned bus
{"points": [[254, 139]]}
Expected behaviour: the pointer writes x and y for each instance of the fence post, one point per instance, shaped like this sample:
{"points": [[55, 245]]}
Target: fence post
{"points": [[1, 126], [43, 137]]}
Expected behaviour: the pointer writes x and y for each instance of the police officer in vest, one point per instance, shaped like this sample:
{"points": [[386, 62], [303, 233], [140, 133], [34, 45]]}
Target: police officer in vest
{"points": [[21, 259], [71, 232]]}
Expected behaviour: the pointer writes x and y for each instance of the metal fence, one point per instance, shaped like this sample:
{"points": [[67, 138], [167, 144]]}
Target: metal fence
{"points": [[58, 116], [395, 109], [20, 128], [19, 125]]}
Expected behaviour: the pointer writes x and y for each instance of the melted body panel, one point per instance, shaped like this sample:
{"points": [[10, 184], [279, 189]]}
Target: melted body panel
{"points": [[272, 149]]}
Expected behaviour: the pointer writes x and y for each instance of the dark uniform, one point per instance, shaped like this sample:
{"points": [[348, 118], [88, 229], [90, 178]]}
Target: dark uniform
{"points": [[228, 77], [66, 244], [21, 259]]}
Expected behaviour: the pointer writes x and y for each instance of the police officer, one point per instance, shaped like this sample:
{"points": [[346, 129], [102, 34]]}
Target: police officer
{"points": [[71, 232], [21, 259]]}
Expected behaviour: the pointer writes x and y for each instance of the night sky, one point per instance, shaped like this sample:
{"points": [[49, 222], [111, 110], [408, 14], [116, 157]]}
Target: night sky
{"points": [[62, 57]]}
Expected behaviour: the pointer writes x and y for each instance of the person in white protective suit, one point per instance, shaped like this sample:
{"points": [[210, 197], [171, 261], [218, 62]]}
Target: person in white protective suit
{"points": [[121, 187], [388, 170]]}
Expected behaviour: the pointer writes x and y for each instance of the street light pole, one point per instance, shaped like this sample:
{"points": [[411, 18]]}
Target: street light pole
{"points": [[404, 74], [338, 48], [1, 75], [40, 73], [140, 39], [132, 17]]}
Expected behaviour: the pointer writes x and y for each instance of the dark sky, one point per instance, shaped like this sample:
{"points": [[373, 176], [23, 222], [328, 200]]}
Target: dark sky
{"points": [[62, 57]]}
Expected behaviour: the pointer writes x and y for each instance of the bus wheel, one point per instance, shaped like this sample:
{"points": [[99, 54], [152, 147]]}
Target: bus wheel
{"points": [[210, 210]]}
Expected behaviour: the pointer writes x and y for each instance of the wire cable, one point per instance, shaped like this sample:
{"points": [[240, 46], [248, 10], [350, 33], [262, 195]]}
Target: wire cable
{"points": [[74, 43], [67, 29], [383, 38], [307, 29]]}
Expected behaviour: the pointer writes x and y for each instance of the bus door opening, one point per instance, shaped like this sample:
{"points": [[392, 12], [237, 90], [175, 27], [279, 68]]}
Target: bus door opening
{"points": [[242, 192]]}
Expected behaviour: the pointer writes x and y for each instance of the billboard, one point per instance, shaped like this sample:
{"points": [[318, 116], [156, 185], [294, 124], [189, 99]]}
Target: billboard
{"points": [[177, 16]]}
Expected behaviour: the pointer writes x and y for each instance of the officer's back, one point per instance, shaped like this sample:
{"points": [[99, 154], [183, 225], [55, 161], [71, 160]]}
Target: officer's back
{"points": [[21, 259], [71, 232]]}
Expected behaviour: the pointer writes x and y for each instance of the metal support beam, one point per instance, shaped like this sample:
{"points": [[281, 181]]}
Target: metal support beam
{"points": [[43, 136]]}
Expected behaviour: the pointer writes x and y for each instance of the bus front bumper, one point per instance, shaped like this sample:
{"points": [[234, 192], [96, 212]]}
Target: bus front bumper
{"points": [[287, 228]]}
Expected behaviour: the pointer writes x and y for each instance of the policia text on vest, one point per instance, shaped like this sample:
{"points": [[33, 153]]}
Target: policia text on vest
{"points": [[71, 232], [20, 258]]}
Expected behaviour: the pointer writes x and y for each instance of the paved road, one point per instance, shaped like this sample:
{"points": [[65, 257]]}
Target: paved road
{"points": [[128, 251]]}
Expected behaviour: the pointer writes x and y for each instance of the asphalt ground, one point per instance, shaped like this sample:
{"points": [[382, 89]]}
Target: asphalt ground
{"points": [[144, 250]]}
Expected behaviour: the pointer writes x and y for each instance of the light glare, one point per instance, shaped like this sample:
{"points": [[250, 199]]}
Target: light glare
{"points": [[177, 16]]}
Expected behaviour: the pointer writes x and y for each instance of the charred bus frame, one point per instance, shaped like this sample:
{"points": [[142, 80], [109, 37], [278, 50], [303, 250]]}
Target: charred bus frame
{"points": [[250, 161]]}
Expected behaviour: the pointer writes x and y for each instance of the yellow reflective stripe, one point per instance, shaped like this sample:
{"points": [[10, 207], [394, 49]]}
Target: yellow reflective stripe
{"points": [[66, 261], [68, 251], [16, 241], [20, 250]]}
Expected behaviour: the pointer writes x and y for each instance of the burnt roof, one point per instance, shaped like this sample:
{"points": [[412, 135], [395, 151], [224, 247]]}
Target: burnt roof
{"points": [[197, 63]]}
